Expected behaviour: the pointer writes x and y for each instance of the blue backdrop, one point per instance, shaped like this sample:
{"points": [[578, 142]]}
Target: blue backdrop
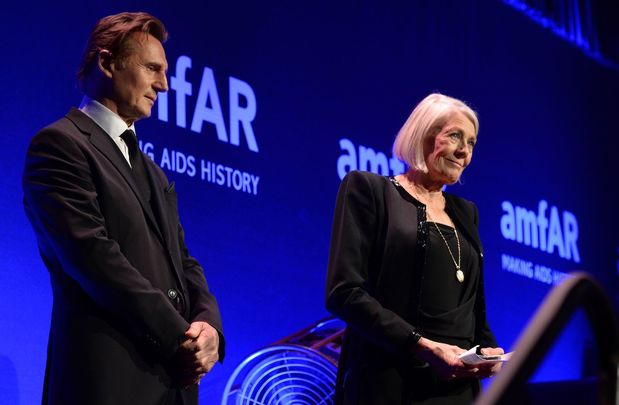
{"points": [[272, 101]]}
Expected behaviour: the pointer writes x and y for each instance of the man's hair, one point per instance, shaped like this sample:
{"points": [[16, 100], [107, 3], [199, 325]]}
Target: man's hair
{"points": [[112, 33], [427, 119]]}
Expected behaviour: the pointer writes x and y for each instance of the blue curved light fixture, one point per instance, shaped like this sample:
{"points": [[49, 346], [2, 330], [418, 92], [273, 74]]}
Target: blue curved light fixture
{"points": [[301, 370]]}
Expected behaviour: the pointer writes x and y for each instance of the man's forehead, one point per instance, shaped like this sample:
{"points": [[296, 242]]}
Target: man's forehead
{"points": [[139, 39], [147, 47]]}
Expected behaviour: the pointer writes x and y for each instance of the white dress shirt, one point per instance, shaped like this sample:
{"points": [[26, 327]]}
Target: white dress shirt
{"points": [[109, 121]]}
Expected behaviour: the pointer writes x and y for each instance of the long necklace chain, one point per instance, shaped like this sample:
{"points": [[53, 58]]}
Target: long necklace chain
{"points": [[457, 264]]}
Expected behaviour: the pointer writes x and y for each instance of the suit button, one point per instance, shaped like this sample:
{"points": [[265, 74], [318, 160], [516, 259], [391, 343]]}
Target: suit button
{"points": [[172, 294]]}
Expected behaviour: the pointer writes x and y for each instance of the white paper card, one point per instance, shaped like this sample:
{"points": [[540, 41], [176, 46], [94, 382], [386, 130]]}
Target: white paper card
{"points": [[471, 357]]}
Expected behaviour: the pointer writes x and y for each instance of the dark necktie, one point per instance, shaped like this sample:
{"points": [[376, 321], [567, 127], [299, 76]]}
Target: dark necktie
{"points": [[137, 165]]}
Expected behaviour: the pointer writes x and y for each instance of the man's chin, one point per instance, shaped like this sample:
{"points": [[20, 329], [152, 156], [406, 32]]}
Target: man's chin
{"points": [[142, 114]]}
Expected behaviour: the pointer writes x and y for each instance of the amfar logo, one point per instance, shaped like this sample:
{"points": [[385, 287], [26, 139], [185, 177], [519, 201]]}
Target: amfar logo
{"points": [[242, 105], [366, 159], [546, 231]]}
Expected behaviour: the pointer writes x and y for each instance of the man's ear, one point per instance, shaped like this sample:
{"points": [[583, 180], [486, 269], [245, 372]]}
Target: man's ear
{"points": [[105, 62]]}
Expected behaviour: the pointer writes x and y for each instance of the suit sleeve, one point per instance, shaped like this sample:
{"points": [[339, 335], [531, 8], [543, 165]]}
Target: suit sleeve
{"points": [[60, 198], [484, 337], [203, 303], [353, 237]]}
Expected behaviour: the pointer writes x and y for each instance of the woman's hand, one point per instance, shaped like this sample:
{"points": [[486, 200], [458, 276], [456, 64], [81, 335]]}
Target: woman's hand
{"points": [[444, 359], [488, 370]]}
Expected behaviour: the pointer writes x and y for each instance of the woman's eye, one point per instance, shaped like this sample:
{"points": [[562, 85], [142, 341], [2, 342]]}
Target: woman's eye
{"points": [[455, 135]]}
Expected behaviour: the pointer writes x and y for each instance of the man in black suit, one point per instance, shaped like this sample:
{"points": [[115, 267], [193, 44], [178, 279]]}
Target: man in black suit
{"points": [[133, 320]]}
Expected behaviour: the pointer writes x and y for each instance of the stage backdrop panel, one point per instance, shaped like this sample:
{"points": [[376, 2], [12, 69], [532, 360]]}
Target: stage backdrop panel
{"points": [[271, 103]]}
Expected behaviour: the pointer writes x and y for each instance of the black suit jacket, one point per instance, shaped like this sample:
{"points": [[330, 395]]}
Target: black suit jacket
{"points": [[374, 284], [124, 285]]}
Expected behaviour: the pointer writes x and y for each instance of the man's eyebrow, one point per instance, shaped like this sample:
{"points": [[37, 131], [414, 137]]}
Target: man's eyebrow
{"points": [[158, 65]]}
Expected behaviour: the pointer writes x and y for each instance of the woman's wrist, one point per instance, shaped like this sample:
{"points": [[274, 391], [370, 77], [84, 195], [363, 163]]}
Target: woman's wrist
{"points": [[414, 338], [418, 342]]}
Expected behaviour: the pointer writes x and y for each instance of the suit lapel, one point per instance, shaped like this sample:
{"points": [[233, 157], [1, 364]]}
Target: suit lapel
{"points": [[106, 146], [157, 198], [160, 205]]}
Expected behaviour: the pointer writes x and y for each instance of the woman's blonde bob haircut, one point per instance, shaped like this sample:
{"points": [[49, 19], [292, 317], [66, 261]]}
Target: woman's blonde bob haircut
{"points": [[427, 119]]}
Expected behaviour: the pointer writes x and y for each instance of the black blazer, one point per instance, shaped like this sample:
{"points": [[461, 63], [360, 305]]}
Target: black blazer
{"points": [[125, 288], [374, 280]]}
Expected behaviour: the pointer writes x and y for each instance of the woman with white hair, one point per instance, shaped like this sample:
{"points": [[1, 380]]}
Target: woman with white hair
{"points": [[405, 270]]}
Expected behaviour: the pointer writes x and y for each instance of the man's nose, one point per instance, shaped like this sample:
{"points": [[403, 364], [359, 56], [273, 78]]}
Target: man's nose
{"points": [[161, 85]]}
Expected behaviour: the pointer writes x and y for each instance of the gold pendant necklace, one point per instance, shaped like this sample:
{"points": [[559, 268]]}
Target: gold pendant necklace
{"points": [[459, 272]]}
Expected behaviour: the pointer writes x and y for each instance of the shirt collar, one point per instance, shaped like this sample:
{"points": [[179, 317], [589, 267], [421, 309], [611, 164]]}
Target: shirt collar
{"points": [[109, 121]]}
